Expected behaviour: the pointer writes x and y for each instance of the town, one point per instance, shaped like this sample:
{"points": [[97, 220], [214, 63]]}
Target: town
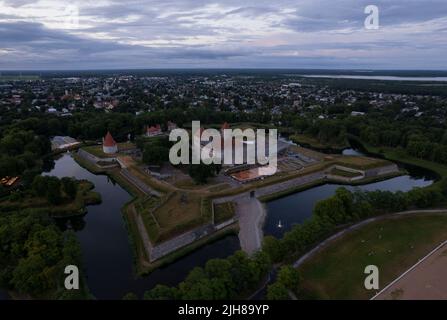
{"points": [[77, 147], [222, 158]]}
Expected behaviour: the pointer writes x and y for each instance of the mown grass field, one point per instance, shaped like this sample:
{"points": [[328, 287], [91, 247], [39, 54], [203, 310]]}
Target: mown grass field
{"points": [[314, 143], [393, 245], [178, 208], [361, 163], [172, 214], [224, 211], [343, 173], [96, 151]]}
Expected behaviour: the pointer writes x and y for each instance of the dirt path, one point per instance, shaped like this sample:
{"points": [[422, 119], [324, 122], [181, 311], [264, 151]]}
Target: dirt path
{"points": [[426, 280], [356, 226]]}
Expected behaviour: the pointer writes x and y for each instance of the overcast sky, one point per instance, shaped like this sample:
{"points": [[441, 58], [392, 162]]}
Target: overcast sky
{"points": [[48, 34]]}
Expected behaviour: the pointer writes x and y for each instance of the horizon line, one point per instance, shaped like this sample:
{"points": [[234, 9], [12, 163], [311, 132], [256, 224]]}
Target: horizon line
{"points": [[217, 68]]}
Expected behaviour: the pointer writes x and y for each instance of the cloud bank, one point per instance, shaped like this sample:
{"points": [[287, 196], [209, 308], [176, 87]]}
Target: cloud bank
{"points": [[105, 34]]}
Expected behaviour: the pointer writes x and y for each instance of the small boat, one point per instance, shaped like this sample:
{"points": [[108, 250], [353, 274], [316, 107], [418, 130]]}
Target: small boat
{"points": [[280, 224]]}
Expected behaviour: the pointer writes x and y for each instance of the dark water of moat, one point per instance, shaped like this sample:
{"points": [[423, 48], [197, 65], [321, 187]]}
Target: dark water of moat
{"points": [[107, 254], [283, 213]]}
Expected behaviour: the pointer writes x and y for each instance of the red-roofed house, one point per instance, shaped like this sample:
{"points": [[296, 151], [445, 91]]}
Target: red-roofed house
{"points": [[108, 144], [171, 126], [153, 131], [225, 126]]}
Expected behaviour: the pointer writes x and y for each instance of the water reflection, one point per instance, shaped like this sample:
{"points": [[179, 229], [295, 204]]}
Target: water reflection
{"points": [[352, 152], [107, 255], [296, 208]]}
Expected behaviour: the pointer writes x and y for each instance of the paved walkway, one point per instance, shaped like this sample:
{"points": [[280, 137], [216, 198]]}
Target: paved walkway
{"points": [[251, 213]]}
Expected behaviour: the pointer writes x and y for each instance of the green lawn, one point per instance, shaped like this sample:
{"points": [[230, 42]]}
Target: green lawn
{"points": [[172, 214], [344, 173], [315, 143], [96, 151], [393, 245], [178, 213], [224, 211], [361, 163], [145, 207]]}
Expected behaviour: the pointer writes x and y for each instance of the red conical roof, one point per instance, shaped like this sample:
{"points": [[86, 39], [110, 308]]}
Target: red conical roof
{"points": [[109, 141]]}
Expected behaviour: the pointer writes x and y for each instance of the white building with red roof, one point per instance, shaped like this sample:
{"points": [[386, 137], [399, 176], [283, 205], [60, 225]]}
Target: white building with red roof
{"points": [[109, 145], [153, 131], [224, 126]]}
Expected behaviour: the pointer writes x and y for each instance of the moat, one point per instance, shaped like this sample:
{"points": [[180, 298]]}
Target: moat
{"points": [[107, 254]]}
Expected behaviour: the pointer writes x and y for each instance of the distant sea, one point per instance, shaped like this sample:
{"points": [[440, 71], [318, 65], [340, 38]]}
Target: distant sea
{"points": [[403, 75], [385, 78]]}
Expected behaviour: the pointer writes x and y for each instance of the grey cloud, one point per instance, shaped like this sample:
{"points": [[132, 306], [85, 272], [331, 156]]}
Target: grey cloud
{"points": [[27, 44]]}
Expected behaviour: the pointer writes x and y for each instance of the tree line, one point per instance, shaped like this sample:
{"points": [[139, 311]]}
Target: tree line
{"points": [[239, 275], [34, 256]]}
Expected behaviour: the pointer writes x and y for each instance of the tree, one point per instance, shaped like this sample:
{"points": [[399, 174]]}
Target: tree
{"points": [[277, 291], [443, 186], [331, 209], [221, 268], [30, 277], [10, 166], [40, 186], [70, 187], [34, 254], [273, 247], [290, 278], [130, 296], [155, 154], [201, 172], [346, 198], [54, 190]]}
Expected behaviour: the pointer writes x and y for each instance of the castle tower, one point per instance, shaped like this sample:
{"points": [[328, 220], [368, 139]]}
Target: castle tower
{"points": [[109, 145]]}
